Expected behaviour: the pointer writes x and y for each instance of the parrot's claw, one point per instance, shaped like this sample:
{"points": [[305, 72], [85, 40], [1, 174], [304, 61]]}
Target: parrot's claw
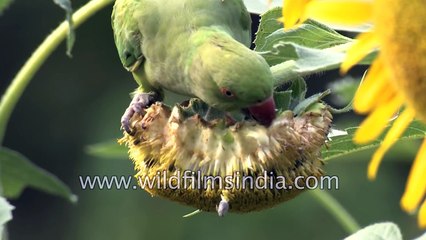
{"points": [[137, 106], [223, 207]]}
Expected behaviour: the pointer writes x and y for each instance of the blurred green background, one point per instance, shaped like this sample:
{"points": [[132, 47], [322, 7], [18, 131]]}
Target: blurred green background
{"points": [[72, 103]]}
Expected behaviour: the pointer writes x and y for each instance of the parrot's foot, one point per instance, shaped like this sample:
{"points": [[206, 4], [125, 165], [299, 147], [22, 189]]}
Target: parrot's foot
{"points": [[223, 207], [137, 106]]}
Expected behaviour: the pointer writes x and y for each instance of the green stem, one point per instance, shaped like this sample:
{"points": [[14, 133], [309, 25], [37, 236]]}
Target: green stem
{"points": [[346, 109], [284, 72], [24, 76], [337, 210]]}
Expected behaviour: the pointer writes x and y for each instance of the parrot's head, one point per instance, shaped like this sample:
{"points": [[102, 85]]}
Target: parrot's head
{"points": [[234, 77]]}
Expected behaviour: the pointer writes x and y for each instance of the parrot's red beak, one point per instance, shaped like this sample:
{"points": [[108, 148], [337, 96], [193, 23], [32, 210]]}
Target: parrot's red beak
{"points": [[264, 112]]}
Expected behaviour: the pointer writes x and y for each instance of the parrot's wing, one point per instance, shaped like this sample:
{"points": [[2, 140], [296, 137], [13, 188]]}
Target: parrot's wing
{"points": [[126, 34]]}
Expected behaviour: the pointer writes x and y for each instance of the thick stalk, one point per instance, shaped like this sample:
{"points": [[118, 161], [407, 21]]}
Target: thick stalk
{"points": [[336, 210]]}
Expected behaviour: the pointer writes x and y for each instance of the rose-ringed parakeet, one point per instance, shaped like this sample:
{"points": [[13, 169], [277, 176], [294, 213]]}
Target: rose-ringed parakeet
{"points": [[197, 48]]}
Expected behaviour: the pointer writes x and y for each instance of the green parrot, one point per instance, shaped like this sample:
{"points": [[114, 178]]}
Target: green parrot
{"points": [[196, 48]]}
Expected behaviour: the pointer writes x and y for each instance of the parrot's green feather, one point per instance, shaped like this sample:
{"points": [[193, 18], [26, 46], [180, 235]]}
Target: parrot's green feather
{"points": [[126, 32], [197, 48]]}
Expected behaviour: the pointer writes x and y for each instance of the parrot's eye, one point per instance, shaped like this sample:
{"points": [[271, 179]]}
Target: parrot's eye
{"points": [[226, 92]]}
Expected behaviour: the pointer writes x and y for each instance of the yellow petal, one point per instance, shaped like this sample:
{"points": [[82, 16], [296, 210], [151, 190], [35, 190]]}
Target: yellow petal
{"points": [[293, 11], [398, 127], [364, 44], [348, 12], [415, 188], [374, 85], [422, 215], [371, 128]]}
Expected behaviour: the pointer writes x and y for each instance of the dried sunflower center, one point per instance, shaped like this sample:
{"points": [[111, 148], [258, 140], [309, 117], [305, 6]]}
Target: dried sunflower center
{"points": [[169, 146]]}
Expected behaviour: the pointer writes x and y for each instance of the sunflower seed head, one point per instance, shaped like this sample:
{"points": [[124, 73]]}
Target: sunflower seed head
{"points": [[167, 141]]}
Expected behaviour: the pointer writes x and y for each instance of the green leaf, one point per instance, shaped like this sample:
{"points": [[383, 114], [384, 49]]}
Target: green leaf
{"points": [[378, 231], [287, 97], [294, 61], [283, 100], [5, 214], [17, 173], [309, 102], [261, 6], [3, 5], [66, 5], [343, 145], [311, 48], [422, 237], [268, 24], [197, 107], [307, 60], [108, 150], [310, 34], [298, 88], [343, 90]]}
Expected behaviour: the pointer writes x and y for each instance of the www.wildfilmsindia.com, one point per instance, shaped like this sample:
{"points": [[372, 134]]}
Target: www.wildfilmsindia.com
{"points": [[194, 180]]}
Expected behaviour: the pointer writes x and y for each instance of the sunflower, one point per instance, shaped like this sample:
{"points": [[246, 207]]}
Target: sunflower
{"points": [[395, 81], [170, 142]]}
